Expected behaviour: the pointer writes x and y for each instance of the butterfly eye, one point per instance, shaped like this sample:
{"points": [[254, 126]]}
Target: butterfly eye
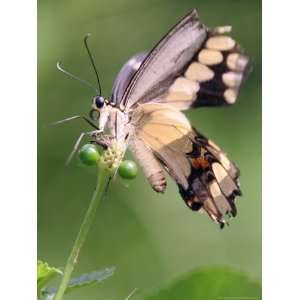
{"points": [[94, 114], [99, 101]]}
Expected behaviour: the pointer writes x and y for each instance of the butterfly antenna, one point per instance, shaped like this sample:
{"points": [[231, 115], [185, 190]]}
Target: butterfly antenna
{"points": [[61, 69], [75, 118], [92, 61]]}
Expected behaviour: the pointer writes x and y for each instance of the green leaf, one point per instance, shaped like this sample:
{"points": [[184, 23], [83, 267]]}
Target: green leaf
{"points": [[211, 284], [82, 281], [45, 273]]}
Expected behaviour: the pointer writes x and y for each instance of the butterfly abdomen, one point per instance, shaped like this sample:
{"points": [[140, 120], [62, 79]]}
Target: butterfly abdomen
{"points": [[150, 165], [158, 181]]}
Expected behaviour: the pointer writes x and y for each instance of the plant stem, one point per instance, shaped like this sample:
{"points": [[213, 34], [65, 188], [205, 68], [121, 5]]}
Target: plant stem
{"points": [[102, 181]]}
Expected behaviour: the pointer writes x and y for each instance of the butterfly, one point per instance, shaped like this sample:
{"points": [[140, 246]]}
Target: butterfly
{"points": [[191, 66]]}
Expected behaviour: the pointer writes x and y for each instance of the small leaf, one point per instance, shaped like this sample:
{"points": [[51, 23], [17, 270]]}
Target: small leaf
{"points": [[211, 284], [90, 278], [45, 273], [82, 281]]}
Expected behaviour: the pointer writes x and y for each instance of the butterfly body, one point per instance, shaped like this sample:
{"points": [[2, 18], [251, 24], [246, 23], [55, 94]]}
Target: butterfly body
{"points": [[192, 66]]}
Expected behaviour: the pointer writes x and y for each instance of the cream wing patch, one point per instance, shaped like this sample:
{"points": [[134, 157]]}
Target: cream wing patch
{"points": [[222, 29], [232, 79], [210, 57], [223, 159], [182, 92], [230, 95], [199, 72], [219, 198], [184, 85], [226, 183], [237, 62], [182, 89], [220, 42]]}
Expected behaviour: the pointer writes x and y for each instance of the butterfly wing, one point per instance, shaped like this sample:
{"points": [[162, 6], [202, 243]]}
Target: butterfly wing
{"points": [[206, 178], [125, 75], [164, 61], [191, 66]]}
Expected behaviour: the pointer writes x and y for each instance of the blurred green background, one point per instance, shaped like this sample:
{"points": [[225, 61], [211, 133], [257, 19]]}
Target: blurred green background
{"points": [[150, 238]]}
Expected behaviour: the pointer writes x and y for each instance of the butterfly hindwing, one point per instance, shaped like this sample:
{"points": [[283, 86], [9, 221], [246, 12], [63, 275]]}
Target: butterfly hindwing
{"points": [[206, 178], [213, 170]]}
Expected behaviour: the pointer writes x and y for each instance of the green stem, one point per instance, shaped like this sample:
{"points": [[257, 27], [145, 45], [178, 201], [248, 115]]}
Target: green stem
{"points": [[102, 181]]}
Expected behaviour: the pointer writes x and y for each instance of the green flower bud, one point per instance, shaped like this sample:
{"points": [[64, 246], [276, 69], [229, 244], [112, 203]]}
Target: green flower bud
{"points": [[89, 154], [128, 169]]}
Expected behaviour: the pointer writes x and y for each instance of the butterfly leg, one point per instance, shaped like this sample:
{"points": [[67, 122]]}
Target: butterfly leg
{"points": [[103, 140], [75, 148]]}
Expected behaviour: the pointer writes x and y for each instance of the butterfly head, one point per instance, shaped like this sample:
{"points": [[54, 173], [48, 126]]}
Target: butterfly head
{"points": [[100, 111], [98, 104]]}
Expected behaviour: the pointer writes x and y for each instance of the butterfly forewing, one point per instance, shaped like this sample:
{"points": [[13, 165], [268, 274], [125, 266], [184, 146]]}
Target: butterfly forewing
{"points": [[165, 61], [191, 66]]}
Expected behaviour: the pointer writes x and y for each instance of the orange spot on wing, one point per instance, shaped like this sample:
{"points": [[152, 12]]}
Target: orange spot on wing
{"points": [[200, 163]]}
